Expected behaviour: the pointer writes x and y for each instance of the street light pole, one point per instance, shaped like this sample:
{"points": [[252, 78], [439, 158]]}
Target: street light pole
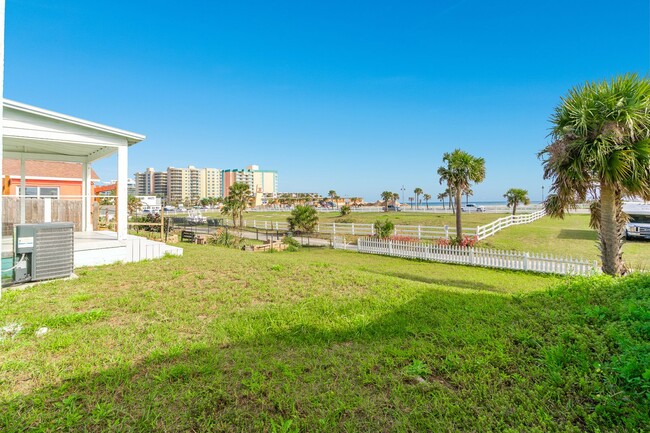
{"points": [[542, 193], [403, 197]]}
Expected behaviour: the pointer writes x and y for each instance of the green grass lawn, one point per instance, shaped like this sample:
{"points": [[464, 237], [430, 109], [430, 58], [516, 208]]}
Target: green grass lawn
{"points": [[470, 220], [568, 237], [323, 340]]}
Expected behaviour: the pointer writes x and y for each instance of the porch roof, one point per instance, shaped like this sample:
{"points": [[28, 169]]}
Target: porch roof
{"points": [[35, 133]]}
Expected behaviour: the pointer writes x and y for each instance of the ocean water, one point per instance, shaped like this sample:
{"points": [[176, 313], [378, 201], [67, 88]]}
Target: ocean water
{"points": [[483, 203]]}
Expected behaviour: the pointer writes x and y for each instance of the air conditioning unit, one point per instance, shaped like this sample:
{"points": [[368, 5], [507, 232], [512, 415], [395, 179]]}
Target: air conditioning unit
{"points": [[43, 251]]}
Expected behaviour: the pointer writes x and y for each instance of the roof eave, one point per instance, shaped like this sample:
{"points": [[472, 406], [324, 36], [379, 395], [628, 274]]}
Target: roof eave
{"points": [[131, 137]]}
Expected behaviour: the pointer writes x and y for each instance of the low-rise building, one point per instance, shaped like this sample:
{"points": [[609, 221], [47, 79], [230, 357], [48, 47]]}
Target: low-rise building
{"points": [[45, 179]]}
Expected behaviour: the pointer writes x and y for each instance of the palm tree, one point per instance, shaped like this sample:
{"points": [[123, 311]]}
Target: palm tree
{"points": [[442, 197], [386, 196], [601, 136], [239, 198], [427, 197], [516, 196], [468, 192], [461, 170], [417, 192], [332, 195], [395, 198], [450, 194]]}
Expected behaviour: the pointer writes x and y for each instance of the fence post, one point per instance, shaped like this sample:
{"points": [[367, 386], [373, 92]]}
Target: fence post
{"points": [[446, 231], [352, 229], [526, 256], [334, 228], [372, 229], [471, 256], [390, 247], [419, 233], [254, 223]]}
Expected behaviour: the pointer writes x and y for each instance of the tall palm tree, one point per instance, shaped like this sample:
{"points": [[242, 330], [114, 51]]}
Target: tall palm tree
{"points": [[386, 196], [450, 194], [601, 136], [442, 197], [395, 198], [427, 197], [417, 192], [460, 171], [468, 192], [514, 196]]}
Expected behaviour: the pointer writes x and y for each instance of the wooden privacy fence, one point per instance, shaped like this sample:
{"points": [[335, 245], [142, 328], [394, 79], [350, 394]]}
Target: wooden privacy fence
{"points": [[38, 210], [535, 262], [490, 229]]}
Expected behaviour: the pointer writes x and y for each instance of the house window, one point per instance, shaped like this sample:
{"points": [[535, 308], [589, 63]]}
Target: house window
{"points": [[40, 192]]}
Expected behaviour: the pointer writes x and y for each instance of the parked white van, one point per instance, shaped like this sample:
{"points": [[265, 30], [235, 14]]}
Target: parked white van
{"points": [[639, 225]]}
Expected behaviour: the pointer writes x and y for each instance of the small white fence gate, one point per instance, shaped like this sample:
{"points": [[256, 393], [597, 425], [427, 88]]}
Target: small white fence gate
{"points": [[536, 262]]}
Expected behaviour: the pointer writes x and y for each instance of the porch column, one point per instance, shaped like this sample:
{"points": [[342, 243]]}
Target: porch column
{"points": [[122, 191], [86, 198], [23, 190]]}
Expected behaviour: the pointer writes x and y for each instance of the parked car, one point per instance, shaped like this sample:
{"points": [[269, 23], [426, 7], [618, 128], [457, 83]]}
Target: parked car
{"points": [[472, 207], [394, 208], [638, 226]]}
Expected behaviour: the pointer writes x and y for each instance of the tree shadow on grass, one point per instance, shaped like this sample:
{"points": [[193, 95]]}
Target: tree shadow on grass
{"points": [[461, 284], [576, 234], [276, 373]]}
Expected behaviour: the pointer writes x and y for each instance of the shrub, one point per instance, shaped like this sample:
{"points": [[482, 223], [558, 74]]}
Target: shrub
{"points": [[466, 241], [223, 238], [384, 229], [292, 242], [345, 210], [303, 219]]}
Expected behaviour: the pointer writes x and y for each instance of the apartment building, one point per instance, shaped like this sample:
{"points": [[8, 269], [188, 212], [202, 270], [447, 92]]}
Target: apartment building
{"points": [[210, 182], [178, 185], [151, 182], [183, 184], [259, 181]]}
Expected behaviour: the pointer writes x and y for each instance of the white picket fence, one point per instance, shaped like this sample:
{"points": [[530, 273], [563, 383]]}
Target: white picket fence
{"points": [[511, 220], [535, 262], [355, 229]]}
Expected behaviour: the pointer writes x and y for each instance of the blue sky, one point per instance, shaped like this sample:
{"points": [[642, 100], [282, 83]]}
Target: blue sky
{"points": [[359, 97]]}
